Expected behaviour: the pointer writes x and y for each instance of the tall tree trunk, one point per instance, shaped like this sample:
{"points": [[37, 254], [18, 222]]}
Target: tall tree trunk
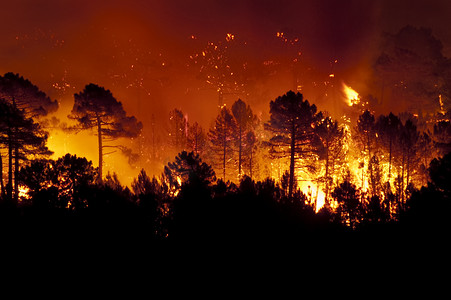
{"points": [[2, 186], [408, 168], [250, 164], [16, 172], [239, 153], [327, 177], [292, 152], [402, 178], [369, 161], [389, 157], [99, 133], [196, 137], [224, 144], [9, 187]]}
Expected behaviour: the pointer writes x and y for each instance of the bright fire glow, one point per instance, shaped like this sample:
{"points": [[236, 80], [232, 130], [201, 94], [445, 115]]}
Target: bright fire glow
{"points": [[230, 37], [23, 192], [352, 97], [315, 195]]}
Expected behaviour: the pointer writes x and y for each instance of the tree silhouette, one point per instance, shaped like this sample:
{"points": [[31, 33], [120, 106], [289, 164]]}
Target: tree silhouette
{"points": [[22, 137], [250, 147], [150, 200], [440, 172], [330, 138], [188, 168], [96, 107], [178, 127], [246, 121], [408, 145], [365, 136], [348, 198], [143, 184], [442, 136], [292, 120], [197, 139], [31, 102], [190, 207], [26, 96], [428, 208], [222, 136], [68, 176], [388, 128]]}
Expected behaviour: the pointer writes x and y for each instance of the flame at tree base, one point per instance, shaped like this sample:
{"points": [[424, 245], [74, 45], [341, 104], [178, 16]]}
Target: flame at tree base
{"points": [[315, 195]]}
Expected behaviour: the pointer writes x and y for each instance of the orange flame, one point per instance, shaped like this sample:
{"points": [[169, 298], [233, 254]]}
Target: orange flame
{"points": [[352, 97]]}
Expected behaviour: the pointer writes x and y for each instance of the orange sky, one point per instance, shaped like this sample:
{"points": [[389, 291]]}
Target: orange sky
{"points": [[140, 49]]}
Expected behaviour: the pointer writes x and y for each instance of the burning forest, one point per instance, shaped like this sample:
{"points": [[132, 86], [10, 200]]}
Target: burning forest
{"points": [[283, 119]]}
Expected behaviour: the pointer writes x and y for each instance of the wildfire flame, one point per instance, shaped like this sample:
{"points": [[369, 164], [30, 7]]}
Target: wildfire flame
{"points": [[315, 195], [23, 192], [352, 97]]}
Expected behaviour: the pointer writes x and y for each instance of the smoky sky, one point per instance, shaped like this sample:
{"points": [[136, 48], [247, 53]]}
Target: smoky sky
{"points": [[46, 40], [330, 27]]}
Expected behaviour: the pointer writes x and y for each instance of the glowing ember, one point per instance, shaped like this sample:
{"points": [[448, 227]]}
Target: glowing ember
{"points": [[230, 37]]}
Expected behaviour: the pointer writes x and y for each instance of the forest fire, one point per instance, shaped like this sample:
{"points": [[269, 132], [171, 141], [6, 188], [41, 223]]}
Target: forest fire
{"points": [[94, 116], [24, 193], [352, 97]]}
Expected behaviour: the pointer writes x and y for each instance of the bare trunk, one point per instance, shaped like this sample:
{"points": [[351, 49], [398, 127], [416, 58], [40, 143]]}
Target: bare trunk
{"points": [[239, 154], [408, 169], [224, 156], [250, 165], [16, 173], [402, 179], [389, 158], [196, 147], [369, 163], [99, 132], [327, 177], [292, 152], [9, 187], [2, 186]]}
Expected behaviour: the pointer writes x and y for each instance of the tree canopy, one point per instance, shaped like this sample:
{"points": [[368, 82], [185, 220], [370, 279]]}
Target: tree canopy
{"points": [[26, 96], [95, 107], [292, 120]]}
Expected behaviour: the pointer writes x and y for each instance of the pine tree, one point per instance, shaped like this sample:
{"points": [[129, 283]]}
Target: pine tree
{"points": [[330, 147], [26, 99], [347, 196], [96, 107], [408, 143], [292, 120], [365, 136], [196, 139], [178, 127], [26, 96], [221, 137], [246, 121], [388, 130], [23, 138]]}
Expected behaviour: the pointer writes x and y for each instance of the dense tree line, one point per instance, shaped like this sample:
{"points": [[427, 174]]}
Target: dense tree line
{"points": [[310, 141], [374, 170], [188, 203]]}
